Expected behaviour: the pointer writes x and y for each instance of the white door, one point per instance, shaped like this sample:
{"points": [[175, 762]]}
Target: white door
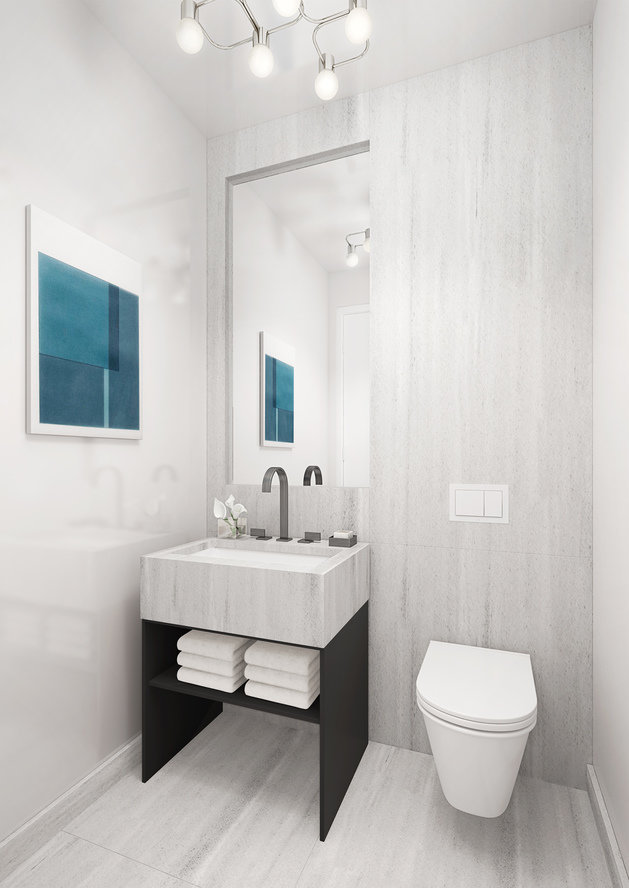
{"points": [[353, 406]]}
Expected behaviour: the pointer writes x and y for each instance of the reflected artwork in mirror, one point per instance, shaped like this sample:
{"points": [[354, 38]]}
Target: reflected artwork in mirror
{"points": [[300, 320], [277, 393]]}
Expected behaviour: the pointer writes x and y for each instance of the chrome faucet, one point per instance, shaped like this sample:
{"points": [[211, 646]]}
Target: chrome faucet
{"points": [[308, 475], [266, 488]]}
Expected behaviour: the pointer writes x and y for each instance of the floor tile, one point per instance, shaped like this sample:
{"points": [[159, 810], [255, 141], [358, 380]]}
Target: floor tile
{"points": [[238, 806]]}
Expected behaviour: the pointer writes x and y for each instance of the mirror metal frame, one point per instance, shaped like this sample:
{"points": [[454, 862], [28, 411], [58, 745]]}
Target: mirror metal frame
{"points": [[230, 183]]}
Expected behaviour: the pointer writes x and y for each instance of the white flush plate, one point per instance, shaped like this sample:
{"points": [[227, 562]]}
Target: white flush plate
{"points": [[481, 503]]}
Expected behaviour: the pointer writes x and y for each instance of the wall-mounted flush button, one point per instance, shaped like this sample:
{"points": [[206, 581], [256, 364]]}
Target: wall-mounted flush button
{"points": [[469, 503], [482, 503], [493, 504]]}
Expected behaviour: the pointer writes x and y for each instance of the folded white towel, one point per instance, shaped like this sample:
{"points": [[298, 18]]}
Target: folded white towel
{"points": [[210, 679], [229, 668], [285, 657], [211, 644], [281, 695], [343, 534], [288, 680]]}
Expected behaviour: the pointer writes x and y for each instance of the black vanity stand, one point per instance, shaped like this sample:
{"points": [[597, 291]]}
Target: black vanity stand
{"points": [[174, 712]]}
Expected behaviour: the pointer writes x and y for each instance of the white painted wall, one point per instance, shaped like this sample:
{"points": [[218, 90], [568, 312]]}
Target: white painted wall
{"points": [[86, 135], [350, 287], [280, 289], [611, 409]]}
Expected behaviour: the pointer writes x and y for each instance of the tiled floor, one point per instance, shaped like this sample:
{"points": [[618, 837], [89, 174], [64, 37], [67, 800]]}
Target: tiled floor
{"points": [[239, 807]]}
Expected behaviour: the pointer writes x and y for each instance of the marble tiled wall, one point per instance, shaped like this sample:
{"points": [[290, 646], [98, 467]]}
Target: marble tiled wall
{"points": [[481, 355]]}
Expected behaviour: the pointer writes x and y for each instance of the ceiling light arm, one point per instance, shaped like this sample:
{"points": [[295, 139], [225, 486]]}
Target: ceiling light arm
{"points": [[322, 24], [322, 21], [225, 46], [285, 25], [362, 234], [353, 58], [245, 7], [222, 46]]}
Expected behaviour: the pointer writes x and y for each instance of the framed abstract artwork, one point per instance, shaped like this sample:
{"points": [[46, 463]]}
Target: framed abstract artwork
{"points": [[277, 393], [84, 362]]}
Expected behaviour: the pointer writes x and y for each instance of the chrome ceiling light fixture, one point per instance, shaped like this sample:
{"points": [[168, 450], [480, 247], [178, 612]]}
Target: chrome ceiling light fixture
{"points": [[359, 239], [191, 36]]}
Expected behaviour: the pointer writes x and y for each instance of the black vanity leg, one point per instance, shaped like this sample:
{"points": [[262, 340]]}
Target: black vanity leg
{"points": [[343, 734], [169, 720]]}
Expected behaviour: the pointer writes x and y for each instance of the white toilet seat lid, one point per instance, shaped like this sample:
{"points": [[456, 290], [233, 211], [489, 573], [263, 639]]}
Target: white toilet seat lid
{"points": [[480, 686]]}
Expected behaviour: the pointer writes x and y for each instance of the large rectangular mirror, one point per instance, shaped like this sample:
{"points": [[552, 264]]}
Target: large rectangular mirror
{"points": [[300, 250]]}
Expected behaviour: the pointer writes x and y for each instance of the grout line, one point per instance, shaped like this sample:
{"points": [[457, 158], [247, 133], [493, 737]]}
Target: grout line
{"points": [[127, 857], [306, 861]]}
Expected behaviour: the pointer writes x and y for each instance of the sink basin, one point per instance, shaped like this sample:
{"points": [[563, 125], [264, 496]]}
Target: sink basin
{"points": [[292, 592], [255, 558]]}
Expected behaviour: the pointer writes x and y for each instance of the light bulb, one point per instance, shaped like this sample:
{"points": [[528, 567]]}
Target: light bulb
{"points": [[189, 35], [286, 8], [358, 26], [367, 244], [261, 60], [352, 257], [326, 84]]}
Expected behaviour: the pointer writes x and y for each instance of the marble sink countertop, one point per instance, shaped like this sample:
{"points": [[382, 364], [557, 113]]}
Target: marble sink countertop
{"points": [[322, 556], [295, 602]]}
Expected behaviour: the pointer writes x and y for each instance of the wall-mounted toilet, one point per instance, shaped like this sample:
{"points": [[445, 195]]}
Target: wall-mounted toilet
{"points": [[479, 706]]}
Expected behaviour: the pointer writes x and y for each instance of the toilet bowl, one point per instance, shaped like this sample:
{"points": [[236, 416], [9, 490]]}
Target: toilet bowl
{"points": [[479, 706]]}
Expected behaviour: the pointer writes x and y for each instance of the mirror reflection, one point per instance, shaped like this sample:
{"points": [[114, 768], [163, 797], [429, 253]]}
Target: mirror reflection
{"points": [[300, 332]]}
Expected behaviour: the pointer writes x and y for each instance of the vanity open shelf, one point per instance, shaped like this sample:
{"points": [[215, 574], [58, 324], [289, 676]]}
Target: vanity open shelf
{"points": [[168, 681], [174, 712]]}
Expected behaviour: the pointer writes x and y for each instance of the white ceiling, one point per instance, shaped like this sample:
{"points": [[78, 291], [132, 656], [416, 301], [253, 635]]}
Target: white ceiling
{"points": [[219, 94], [320, 205]]}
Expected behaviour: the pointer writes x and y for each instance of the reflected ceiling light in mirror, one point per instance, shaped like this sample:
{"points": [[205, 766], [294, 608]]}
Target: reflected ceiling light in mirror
{"points": [[191, 35], [355, 240], [352, 256], [358, 26]]}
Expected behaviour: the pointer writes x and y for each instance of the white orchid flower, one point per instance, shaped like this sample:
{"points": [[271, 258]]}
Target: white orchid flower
{"points": [[219, 509], [238, 509], [229, 502]]}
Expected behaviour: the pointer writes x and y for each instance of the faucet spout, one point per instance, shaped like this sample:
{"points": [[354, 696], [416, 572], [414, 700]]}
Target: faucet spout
{"points": [[310, 470], [266, 488]]}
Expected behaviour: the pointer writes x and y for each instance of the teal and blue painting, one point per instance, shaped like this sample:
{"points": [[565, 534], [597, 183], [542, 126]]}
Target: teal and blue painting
{"points": [[89, 370], [279, 401]]}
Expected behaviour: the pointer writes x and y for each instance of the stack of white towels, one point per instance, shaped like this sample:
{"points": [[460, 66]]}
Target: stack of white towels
{"points": [[212, 660], [282, 673]]}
